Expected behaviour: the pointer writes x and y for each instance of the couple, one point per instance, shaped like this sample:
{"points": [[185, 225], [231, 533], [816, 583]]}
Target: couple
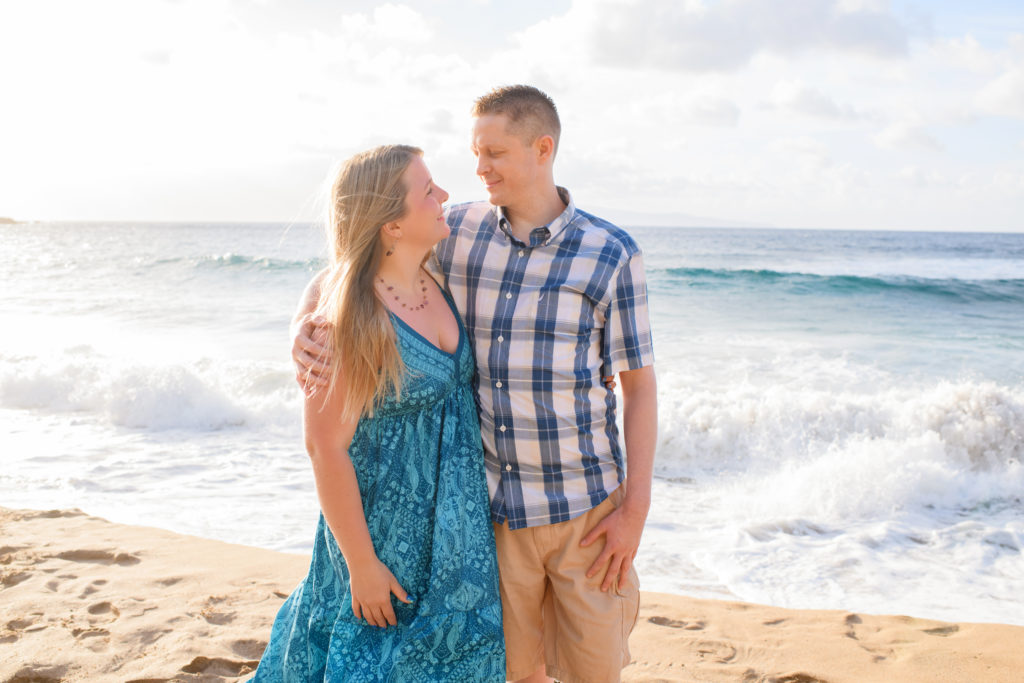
{"points": [[404, 582]]}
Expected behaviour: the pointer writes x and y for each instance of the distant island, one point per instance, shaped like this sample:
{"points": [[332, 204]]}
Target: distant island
{"points": [[4, 220]]}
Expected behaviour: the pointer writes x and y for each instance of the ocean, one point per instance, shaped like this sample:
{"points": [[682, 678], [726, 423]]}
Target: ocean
{"points": [[841, 413]]}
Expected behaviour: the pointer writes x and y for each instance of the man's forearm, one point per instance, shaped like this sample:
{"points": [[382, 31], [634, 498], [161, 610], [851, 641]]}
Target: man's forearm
{"points": [[640, 427], [307, 302]]}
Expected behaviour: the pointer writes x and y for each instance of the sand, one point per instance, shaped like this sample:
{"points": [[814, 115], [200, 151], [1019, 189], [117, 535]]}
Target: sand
{"points": [[83, 599]]}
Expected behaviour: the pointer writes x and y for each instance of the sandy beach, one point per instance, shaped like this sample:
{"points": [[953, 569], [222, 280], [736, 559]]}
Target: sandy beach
{"points": [[84, 599]]}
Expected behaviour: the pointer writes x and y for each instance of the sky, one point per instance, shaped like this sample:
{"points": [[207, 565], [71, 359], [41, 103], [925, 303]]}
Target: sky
{"points": [[844, 114]]}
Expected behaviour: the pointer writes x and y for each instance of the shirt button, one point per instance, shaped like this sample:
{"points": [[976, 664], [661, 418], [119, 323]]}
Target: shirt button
{"points": [[521, 252], [508, 468], [501, 428], [501, 338], [498, 384], [508, 295]]}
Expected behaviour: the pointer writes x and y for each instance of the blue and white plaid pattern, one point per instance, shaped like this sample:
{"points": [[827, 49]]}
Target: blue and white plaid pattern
{"points": [[547, 320]]}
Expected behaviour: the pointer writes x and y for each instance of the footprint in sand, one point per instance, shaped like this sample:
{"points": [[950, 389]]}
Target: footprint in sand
{"points": [[674, 623], [93, 637], [7, 552], [12, 578], [83, 633], [942, 631], [92, 588], [852, 620], [19, 624], [720, 651], [104, 609], [218, 666], [99, 557], [14, 628], [213, 615], [250, 649], [40, 674], [879, 654], [783, 678], [52, 514]]}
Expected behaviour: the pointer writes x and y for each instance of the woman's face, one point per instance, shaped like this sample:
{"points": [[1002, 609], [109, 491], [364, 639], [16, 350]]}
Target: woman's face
{"points": [[423, 223]]}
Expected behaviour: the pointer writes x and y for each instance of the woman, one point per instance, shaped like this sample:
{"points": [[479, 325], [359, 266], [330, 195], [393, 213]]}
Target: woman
{"points": [[403, 584]]}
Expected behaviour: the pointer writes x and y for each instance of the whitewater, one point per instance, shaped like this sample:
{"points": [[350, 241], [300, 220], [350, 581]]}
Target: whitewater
{"points": [[841, 414]]}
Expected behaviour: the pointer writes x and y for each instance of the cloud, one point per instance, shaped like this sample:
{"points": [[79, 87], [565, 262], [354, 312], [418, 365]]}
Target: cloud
{"points": [[812, 151], [965, 53], [804, 99], [713, 111], [920, 177], [724, 36], [157, 57], [907, 136], [1005, 95], [389, 24], [440, 121], [700, 109]]}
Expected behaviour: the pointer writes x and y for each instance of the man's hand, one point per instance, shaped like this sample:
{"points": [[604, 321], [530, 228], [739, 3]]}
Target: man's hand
{"points": [[621, 530], [311, 353]]}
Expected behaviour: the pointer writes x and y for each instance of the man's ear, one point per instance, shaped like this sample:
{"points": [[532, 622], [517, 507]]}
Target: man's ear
{"points": [[545, 148]]}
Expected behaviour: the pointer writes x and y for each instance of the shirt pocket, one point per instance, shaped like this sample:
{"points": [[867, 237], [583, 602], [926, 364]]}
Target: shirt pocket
{"points": [[558, 312]]}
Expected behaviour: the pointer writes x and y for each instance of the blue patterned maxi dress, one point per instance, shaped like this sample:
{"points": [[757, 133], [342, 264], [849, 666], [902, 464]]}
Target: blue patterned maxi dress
{"points": [[421, 478]]}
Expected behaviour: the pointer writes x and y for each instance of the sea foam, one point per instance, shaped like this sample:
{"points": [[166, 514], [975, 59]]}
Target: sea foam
{"points": [[199, 395]]}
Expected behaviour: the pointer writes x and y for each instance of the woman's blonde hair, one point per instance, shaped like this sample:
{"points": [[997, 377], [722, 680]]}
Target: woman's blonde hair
{"points": [[367, 193]]}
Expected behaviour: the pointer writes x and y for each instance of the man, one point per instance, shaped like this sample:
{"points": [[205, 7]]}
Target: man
{"points": [[554, 300]]}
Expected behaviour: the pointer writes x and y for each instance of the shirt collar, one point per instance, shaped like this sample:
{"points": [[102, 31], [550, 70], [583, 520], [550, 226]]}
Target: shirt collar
{"points": [[545, 234]]}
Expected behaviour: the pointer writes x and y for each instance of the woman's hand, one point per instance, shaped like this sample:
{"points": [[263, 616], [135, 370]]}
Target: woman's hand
{"points": [[372, 585]]}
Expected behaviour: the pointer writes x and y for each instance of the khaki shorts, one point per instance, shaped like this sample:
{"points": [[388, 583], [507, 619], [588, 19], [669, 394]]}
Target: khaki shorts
{"points": [[553, 614]]}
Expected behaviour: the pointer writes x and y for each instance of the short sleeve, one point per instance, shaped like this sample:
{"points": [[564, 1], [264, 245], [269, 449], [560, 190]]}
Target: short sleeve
{"points": [[627, 343]]}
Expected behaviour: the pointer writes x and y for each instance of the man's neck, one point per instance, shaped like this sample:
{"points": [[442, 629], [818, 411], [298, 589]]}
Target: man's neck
{"points": [[544, 207]]}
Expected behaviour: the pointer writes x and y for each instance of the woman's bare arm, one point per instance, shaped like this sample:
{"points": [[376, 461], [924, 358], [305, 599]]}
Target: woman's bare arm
{"points": [[327, 442]]}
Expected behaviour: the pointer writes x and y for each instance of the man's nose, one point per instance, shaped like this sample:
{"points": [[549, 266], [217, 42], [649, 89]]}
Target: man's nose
{"points": [[481, 166]]}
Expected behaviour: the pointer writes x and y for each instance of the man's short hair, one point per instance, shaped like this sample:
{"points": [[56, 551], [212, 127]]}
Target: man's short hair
{"points": [[530, 112]]}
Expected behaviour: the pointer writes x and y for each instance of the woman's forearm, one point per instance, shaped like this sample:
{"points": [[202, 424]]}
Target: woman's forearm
{"points": [[338, 491]]}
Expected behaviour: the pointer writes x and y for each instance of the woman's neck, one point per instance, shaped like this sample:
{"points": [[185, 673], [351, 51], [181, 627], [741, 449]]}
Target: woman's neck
{"points": [[401, 270]]}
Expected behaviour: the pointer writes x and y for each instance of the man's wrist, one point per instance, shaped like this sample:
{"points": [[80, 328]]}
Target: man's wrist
{"points": [[637, 499]]}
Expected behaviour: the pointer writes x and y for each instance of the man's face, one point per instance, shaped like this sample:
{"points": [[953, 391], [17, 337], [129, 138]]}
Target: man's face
{"points": [[504, 162]]}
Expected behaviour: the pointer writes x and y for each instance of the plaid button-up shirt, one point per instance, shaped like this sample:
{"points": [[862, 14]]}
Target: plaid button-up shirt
{"points": [[547, 320]]}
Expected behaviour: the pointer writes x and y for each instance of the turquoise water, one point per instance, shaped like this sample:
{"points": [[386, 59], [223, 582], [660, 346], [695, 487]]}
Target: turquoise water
{"points": [[841, 413]]}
